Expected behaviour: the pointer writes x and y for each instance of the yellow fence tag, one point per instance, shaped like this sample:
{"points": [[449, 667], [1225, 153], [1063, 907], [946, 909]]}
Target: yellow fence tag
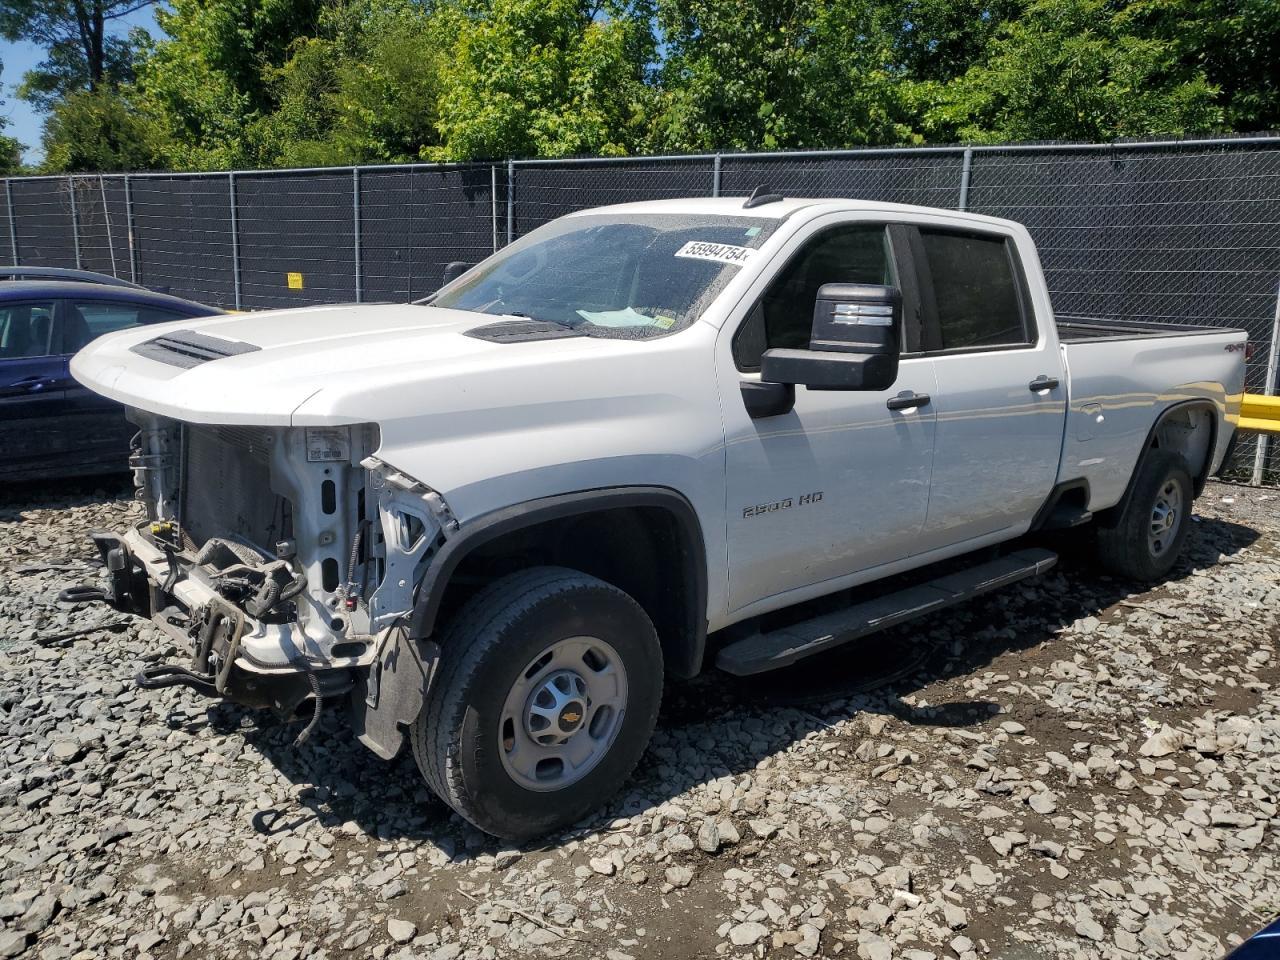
{"points": [[295, 281]]}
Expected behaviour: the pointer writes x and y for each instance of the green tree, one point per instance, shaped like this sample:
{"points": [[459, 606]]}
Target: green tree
{"points": [[96, 131], [1069, 70], [206, 81], [776, 74], [80, 55], [10, 150], [543, 78], [1237, 45], [365, 91]]}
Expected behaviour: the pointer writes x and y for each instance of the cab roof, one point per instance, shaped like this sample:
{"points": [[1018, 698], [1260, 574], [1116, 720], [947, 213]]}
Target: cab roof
{"points": [[783, 208]]}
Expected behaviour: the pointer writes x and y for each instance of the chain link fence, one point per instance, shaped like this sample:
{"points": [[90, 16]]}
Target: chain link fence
{"points": [[1175, 231]]}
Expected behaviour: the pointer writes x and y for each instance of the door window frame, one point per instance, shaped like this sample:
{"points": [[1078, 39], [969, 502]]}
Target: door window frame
{"points": [[931, 341], [902, 257], [55, 326]]}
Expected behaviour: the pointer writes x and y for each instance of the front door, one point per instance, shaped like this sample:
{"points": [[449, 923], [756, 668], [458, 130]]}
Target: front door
{"points": [[31, 394], [841, 482]]}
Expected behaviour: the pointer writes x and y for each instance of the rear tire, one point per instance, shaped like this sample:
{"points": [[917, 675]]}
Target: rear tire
{"points": [[547, 693], [1147, 539]]}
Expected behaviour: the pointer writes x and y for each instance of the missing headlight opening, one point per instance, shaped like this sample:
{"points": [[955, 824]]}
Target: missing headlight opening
{"points": [[291, 551]]}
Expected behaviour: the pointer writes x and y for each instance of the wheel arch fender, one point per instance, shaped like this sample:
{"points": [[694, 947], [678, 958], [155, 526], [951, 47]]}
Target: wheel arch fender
{"points": [[683, 647], [1199, 473]]}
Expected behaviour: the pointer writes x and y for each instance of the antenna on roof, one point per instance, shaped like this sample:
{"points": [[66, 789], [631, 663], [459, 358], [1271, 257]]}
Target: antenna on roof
{"points": [[760, 196]]}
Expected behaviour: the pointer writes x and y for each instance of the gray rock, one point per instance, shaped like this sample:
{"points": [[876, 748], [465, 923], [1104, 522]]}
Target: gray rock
{"points": [[13, 943], [709, 837], [401, 931], [679, 876], [745, 934]]}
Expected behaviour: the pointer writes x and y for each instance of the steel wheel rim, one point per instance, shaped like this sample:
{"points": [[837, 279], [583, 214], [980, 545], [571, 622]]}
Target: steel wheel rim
{"points": [[1166, 515], [562, 713]]}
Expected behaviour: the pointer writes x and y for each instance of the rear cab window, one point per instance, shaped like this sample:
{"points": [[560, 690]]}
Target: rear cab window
{"points": [[979, 299]]}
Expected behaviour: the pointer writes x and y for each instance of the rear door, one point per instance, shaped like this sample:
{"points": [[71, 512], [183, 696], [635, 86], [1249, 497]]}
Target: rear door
{"points": [[98, 426], [32, 400], [1001, 399]]}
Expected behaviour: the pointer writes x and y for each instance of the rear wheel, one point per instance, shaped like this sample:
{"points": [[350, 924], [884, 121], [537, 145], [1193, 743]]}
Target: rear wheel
{"points": [[1148, 537], [548, 691]]}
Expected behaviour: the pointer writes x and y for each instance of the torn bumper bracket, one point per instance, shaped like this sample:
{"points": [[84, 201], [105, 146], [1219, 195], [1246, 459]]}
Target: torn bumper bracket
{"points": [[171, 675], [127, 587]]}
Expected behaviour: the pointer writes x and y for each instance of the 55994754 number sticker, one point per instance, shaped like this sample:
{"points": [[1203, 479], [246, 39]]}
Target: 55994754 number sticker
{"points": [[718, 252]]}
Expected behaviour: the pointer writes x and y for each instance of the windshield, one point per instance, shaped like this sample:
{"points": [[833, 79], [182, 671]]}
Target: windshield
{"points": [[633, 275]]}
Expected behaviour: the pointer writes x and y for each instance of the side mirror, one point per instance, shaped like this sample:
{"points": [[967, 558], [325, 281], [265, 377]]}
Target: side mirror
{"points": [[454, 270], [853, 345]]}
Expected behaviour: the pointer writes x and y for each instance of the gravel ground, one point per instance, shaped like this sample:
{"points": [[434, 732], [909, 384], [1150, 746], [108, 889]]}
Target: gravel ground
{"points": [[1075, 769]]}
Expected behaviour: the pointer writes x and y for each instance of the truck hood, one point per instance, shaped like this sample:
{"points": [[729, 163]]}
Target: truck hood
{"points": [[290, 357]]}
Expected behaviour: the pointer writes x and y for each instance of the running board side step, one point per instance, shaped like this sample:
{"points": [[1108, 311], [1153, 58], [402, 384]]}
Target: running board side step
{"points": [[780, 648]]}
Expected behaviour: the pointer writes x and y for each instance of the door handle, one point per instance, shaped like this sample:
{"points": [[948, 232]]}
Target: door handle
{"points": [[907, 401], [1043, 383], [33, 384]]}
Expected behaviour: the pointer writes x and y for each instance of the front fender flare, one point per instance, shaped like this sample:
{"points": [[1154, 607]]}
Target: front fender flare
{"points": [[490, 526]]}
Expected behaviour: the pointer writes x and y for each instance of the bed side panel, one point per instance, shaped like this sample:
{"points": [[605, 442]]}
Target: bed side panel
{"points": [[1120, 387]]}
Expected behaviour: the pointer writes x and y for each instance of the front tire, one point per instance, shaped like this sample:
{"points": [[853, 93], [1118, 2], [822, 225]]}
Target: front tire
{"points": [[1148, 537], [547, 693]]}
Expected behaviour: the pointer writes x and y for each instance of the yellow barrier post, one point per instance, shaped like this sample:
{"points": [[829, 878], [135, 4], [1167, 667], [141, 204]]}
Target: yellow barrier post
{"points": [[1260, 413], [1268, 394]]}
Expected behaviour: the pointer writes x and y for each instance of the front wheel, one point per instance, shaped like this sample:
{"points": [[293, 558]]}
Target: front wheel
{"points": [[1145, 542], [547, 693]]}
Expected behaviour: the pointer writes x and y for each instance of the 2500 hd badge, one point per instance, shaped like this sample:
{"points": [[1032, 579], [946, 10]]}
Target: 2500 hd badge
{"points": [[762, 508]]}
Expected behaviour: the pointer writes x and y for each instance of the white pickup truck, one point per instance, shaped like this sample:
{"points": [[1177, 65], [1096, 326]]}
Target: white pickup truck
{"points": [[628, 445]]}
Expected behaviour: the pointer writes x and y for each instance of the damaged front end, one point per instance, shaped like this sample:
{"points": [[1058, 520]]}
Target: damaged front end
{"points": [[285, 560]]}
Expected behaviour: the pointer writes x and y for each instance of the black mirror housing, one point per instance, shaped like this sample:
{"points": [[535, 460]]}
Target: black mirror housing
{"points": [[857, 318], [854, 343], [828, 370], [454, 270]]}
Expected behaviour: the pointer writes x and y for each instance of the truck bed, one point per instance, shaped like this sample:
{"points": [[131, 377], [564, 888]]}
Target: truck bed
{"points": [[1073, 329], [1124, 375]]}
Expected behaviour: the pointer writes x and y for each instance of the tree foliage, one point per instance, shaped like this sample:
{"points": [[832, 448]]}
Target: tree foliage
{"points": [[10, 150], [238, 83], [365, 90], [99, 130], [776, 73], [1070, 70], [543, 78], [80, 53]]}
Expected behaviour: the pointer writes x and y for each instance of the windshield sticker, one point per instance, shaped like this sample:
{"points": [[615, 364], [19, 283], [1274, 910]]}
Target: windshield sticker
{"points": [[627, 317], [718, 252], [664, 323]]}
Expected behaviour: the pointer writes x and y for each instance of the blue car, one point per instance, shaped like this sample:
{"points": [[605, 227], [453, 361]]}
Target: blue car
{"points": [[50, 426]]}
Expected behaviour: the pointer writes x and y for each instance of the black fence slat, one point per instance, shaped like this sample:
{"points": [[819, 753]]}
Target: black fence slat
{"points": [[415, 221], [102, 221], [544, 192], [297, 239], [182, 236], [42, 218]]}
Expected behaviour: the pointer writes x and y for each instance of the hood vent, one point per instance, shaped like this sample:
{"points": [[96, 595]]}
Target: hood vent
{"points": [[522, 331], [187, 349]]}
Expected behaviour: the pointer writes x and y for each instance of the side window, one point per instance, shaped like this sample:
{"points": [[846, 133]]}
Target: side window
{"points": [[26, 330], [88, 320], [150, 315], [783, 316], [976, 290]]}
